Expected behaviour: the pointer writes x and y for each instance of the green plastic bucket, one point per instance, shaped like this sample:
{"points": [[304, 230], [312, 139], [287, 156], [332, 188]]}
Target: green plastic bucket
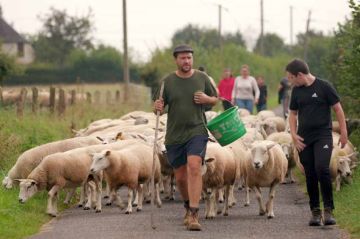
{"points": [[227, 127]]}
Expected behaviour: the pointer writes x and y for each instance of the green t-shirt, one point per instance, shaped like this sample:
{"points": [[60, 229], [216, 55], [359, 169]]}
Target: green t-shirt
{"points": [[185, 118]]}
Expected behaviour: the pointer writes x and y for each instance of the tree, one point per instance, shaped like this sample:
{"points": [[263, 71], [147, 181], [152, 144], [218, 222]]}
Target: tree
{"points": [[205, 37], [346, 62], [273, 45], [61, 34], [8, 67]]}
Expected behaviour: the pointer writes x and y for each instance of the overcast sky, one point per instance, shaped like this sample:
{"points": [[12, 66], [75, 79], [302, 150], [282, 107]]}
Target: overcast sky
{"points": [[151, 23]]}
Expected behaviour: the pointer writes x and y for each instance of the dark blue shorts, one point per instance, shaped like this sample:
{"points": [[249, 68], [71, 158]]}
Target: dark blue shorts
{"points": [[177, 153]]}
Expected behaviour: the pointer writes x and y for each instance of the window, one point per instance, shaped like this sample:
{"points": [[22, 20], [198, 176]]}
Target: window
{"points": [[20, 49]]}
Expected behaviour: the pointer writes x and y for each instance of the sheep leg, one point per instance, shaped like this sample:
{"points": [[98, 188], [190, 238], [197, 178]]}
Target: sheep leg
{"points": [[107, 192], [52, 201], [221, 195], [119, 201], [83, 192], [172, 188], [69, 195], [161, 184], [166, 181], [89, 194], [130, 196], [212, 204], [232, 200], [227, 195], [338, 182], [140, 197], [147, 196], [216, 208], [247, 190], [98, 197], [207, 204], [158, 199], [136, 202], [260, 201], [270, 203]]}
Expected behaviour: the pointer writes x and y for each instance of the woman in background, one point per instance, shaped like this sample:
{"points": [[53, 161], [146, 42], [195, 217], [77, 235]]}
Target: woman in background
{"points": [[246, 91]]}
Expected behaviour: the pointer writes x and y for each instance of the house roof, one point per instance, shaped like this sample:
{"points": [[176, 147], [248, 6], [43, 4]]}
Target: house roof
{"points": [[8, 34]]}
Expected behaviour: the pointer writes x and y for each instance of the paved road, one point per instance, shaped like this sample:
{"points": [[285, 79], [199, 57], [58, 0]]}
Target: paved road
{"points": [[291, 216]]}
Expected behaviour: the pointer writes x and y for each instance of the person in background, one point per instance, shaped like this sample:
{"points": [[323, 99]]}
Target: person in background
{"points": [[284, 95], [310, 126], [261, 105], [243, 91], [225, 87]]}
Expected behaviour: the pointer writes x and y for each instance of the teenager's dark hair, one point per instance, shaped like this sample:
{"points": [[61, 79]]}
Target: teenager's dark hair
{"points": [[296, 66]]}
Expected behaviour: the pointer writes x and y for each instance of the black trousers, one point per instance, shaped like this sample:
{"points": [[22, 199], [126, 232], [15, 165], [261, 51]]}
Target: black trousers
{"points": [[316, 160]]}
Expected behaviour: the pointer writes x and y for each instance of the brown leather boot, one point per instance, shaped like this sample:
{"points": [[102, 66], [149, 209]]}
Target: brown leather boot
{"points": [[316, 217], [194, 224], [328, 217], [187, 217]]}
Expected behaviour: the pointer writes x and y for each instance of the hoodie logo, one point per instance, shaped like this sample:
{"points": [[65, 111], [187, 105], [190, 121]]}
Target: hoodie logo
{"points": [[314, 95], [326, 146]]}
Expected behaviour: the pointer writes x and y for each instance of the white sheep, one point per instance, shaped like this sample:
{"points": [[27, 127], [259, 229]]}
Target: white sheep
{"points": [[31, 158], [131, 166], [274, 124], [262, 115], [219, 171], [286, 143], [68, 169], [340, 166], [266, 168]]}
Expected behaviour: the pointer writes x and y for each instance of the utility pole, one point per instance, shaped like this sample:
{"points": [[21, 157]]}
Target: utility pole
{"points": [[291, 26], [126, 58], [220, 37], [307, 35], [262, 27]]}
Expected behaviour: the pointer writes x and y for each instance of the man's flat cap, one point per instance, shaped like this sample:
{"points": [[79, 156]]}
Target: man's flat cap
{"points": [[181, 49]]}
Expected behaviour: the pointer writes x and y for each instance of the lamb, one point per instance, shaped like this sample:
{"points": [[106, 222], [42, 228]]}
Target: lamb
{"points": [[266, 168], [274, 124], [285, 141], [340, 166], [132, 167], [68, 169], [33, 157], [219, 171], [264, 114]]}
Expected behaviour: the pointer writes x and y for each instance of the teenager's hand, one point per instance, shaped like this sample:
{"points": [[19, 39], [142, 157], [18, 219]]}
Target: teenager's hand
{"points": [[159, 106], [298, 142], [343, 140]]}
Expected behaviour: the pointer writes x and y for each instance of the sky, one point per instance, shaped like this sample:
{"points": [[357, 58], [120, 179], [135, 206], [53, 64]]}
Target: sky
{"points": [[151, 23]]}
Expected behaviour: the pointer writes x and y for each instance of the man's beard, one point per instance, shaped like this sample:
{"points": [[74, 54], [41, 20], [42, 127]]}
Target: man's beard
{"points": [[185, 69]]}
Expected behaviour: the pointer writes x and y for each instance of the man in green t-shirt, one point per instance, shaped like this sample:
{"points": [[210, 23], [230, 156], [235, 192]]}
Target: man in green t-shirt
{"points": [[186, 91]]}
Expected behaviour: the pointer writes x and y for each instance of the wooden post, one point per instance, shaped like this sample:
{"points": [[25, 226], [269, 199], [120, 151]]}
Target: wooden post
{"points": [[61, 103], [21, 102], [52, 100], [117, 96], [73, 97], [108, 97], [97, 97], [35, 101], [88, 97]]}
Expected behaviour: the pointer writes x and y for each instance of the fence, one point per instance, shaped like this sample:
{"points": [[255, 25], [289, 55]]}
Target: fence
{"points": [[56, 99]]}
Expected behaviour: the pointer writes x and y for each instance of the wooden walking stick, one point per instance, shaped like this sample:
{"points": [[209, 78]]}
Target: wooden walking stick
{"points": [[153, 165]]}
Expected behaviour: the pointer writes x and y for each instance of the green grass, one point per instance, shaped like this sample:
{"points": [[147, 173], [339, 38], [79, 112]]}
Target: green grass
{"points": [[17, 135]]}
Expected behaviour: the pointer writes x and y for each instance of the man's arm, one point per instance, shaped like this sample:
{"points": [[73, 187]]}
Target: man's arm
{"points": [[202, 98], [298, 141], [340, 116]]}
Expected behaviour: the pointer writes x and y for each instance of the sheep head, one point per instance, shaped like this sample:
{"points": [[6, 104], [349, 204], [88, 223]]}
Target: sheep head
{"points": [[260, 154], [100, 161], [343, 165], [286, 148], [28, 188]]}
